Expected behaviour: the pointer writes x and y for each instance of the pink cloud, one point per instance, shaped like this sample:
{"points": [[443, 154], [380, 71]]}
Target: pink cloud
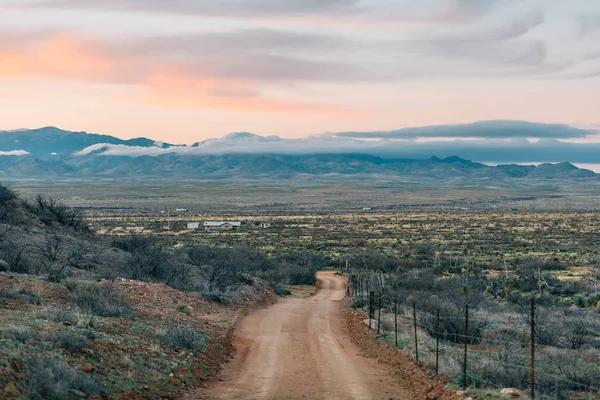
{"points": [[153, 79]]}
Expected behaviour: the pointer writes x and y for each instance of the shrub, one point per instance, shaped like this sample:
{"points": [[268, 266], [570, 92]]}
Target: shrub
{"points": [[6, 194], [50, 211], [100, 299], [31, 297], [183, 337], [182, 308], [69, 341], [19, 333], [281, 290], [148, 259], [50, 378], [58, 313], [17, 257], [358, 302], [223, 297]]}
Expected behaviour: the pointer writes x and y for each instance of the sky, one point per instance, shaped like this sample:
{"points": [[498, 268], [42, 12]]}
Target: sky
{"points": [[184, 71]]}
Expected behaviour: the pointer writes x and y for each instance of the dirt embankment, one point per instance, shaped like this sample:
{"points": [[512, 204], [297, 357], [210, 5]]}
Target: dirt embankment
{"points": [[397, 363], [44, 330]]}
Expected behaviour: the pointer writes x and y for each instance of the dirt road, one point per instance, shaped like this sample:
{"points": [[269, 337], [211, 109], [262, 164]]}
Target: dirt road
{"points": [[299, 349]]}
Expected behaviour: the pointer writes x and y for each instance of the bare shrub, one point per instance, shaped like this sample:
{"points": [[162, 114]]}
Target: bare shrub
{"points": [[16, 255], [31, 297], [6, 194], [78, 256], [50, 378], [100, 299], [69, 341], [183, 337], [452, 321], [570, 372], [58, 313], [560, 327], [148, 259], [20, 333], [49, 211], [229, 297]]}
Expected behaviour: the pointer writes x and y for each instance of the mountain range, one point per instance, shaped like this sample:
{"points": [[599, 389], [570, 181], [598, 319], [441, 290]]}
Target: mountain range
{"points": [[54, 153]]}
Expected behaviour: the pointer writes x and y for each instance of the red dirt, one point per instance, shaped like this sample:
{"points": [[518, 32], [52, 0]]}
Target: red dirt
{"points": [[302, 348], [397, 363]]}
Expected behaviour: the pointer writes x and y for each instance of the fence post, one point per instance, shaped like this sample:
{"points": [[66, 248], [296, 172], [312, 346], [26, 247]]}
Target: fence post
{"points": [[379, 315], [437, 341], [466, 345], [396, 320], [361, 291], [371, 308], [532, 348], [415, 324], [348, 287]]}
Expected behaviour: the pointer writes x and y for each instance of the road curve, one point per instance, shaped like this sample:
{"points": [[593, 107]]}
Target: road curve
{"points": [[299, 349]]}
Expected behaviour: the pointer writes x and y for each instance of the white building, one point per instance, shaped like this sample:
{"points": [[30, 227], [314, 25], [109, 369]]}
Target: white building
{"points": [[222, 226], [193, 225]]}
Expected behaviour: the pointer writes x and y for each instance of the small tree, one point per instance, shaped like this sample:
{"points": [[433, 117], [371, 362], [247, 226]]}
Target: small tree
{"points": [[49, 211], [6, 194]]}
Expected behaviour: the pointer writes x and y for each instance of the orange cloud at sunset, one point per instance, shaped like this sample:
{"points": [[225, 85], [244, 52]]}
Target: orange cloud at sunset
{"points": [[294, 67], [158, 82], [60, 56], [226, 94]]}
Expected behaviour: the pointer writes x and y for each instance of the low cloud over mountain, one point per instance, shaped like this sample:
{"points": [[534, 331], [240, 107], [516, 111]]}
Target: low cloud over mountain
{"points": [[487, 141], [54, 151]]}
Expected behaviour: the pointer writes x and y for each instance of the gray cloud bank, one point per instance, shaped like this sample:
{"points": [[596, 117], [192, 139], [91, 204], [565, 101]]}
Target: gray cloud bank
{"points": [[483, 129], [461, 38], [423, 9], [502, 141]]}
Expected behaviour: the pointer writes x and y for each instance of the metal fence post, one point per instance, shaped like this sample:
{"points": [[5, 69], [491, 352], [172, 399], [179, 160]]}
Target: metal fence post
{"points": [[362, 293], [396, 320], [437, 342], [532, 348], [466, 346], [379, 315], [348, 288], [415, 324], [370, 309]]}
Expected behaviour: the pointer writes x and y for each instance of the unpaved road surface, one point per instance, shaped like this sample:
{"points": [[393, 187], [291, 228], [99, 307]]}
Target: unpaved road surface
{"points": [[299, 349]]}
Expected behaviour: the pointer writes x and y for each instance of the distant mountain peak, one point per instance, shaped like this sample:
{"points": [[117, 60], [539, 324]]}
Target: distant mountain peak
{"points": [[243, 136], [455, 159]]}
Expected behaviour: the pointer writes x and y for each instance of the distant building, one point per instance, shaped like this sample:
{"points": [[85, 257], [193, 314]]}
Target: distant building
{"points": [[193, 225], [222, 226], [367, 208]]}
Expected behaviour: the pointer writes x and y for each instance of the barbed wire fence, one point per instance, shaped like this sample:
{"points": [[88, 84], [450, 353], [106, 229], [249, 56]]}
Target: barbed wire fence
{"points": [[464, 354]]}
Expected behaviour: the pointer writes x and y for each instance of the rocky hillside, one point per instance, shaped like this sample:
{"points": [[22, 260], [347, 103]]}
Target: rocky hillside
{"points": [[74, 325]]}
